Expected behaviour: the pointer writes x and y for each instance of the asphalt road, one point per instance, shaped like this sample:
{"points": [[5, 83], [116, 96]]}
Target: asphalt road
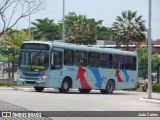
{"points": [[51, 100]]}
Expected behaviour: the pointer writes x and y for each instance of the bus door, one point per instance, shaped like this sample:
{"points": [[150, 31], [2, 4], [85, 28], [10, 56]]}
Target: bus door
{"points": [[56, 68]]}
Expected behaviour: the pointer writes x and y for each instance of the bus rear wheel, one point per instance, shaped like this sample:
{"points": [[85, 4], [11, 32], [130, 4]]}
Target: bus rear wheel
{"points": [[103, 91], [84, 90], [109, 88], [65, 86], [39, 89]]}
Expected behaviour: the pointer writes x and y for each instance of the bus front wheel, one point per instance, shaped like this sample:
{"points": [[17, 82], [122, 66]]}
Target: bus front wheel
{"points": [[84, 90], [39, 89]]}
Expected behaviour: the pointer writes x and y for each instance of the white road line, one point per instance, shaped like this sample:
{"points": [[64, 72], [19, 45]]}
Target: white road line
{"points": [[150, 100], [96, 109]]}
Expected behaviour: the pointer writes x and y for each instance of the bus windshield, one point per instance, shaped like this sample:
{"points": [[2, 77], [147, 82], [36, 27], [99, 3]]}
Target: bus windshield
{"points": [[34, 60]]}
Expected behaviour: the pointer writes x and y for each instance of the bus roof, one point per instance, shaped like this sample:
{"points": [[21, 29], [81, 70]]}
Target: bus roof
{"points": [[92, 48], [41, 42]]}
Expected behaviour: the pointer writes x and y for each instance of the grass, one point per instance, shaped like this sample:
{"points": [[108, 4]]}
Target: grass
{"points": [[156, 99]]}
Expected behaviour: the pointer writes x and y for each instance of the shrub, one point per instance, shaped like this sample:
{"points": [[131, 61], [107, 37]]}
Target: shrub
{"points": [[137, 84], [156, 87], [145, 87]]}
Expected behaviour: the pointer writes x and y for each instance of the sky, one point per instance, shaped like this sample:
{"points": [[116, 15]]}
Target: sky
{"points": [[106, 10]]}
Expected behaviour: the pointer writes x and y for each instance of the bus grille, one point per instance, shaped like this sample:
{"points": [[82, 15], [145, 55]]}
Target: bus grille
{"points": [[31, 82], [30, 78], [32, 75]]}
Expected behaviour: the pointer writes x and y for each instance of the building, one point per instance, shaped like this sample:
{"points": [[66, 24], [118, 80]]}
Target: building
{"points": [[112, 44]]}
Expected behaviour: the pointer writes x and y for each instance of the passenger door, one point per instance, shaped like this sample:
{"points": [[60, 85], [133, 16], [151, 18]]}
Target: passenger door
{"points": [[56, 68]]}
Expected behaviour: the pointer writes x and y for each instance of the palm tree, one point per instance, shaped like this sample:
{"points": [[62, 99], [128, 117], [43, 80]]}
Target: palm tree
{"points": [[129, 28]]}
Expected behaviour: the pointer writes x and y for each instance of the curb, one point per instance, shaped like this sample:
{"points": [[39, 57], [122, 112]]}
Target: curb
{"points": [[150, 100], [5, 88]]}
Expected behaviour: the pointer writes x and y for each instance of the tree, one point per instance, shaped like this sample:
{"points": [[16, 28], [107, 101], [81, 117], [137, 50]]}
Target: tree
{"points": [[80, 29], [13, 39], [45, 29], [143, 61], [103, 33], [129, 28], [10, 46], [11, 11]]}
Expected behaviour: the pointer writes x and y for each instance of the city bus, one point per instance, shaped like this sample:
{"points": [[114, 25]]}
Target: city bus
{"points": [[63, 66]]}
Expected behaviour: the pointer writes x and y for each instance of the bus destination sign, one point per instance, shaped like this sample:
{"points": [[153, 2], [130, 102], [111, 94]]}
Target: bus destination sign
{"points": [[35, 46]]}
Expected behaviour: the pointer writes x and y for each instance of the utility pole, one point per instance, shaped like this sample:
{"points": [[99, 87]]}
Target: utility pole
{"points": [[9, 72], [63, 32], [149, 54], [29, 7], [29, 22]]}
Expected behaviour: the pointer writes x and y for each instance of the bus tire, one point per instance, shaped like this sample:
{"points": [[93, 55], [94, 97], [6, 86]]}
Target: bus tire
{"points": [[39, 89], [109, 87], [84, 90], [103, 91], [65, 86]]}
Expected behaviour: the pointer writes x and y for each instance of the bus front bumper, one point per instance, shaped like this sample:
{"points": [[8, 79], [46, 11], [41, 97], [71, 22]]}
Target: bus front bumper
{"points": [[23, 82]]}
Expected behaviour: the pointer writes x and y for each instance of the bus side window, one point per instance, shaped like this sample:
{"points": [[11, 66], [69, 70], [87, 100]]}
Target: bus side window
{"points": [[56, 60], [94, 59], [126, 62], [130, 63], [106, 60], [80, 58], [115, 62], [121, 62], [134, 63], [68, 57], [118, 61]]}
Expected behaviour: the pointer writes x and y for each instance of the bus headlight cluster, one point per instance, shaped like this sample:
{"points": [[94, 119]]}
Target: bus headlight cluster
{"points": [[43, 76], [19, 75]]}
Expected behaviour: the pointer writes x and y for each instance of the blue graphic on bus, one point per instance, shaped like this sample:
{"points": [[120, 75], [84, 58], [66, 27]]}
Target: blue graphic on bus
{"points": [[126, 75], [96, 73]]}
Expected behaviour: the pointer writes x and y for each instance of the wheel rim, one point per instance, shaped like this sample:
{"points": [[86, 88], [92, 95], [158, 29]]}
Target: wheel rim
{"points": [[65, 85], [110, 87]]}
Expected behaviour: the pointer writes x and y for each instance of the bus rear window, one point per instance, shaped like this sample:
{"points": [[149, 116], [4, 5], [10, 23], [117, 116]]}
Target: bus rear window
{"points": [[130, 63]]}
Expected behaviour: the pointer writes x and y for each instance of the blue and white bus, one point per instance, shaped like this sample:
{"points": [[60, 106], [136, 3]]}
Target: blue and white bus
{"points": [[64, 66]]}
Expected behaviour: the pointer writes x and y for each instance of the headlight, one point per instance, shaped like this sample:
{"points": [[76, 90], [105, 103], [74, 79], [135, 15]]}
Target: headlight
{"points": [[43, 76], [19, 75]]}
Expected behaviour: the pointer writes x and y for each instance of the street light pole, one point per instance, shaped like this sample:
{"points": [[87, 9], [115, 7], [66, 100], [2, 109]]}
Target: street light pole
{"points": [[29, 23], [96, 33], [149, 54], [29, 30], [63, 34]]}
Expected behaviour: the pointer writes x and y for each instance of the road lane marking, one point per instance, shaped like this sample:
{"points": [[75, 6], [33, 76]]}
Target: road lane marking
{"points": [[95, 109]]}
